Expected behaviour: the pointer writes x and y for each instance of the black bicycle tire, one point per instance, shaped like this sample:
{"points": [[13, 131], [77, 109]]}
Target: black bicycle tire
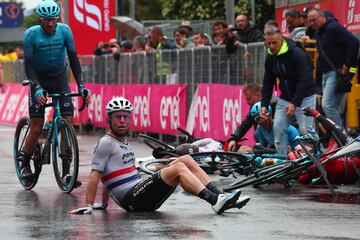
{"points": [[166, 146], [275, 177], [257, 176], [144, 166], [27, 185], [75, 158], [238, 160]]}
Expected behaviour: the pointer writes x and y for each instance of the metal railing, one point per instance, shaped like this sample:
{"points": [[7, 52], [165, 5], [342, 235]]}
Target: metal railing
{"points": [[191, 66]]}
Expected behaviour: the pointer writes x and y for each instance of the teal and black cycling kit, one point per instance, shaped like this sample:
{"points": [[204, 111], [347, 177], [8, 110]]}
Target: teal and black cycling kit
{"points": [[45, 65]]}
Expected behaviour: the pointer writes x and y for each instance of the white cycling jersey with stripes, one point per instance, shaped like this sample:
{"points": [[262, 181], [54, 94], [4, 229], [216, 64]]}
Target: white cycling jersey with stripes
{"points": [[116, 161]]}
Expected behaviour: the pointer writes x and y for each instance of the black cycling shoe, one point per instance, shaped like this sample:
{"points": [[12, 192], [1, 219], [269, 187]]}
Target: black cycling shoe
{"points": [[26, 172], [67, 179]]}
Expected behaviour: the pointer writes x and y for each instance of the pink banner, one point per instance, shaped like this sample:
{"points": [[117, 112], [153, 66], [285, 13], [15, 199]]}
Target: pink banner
{"points": [[157, 108], [216, 111], [13, 103]]}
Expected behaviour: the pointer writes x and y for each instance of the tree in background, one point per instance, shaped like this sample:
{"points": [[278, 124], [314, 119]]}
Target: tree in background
{"points": [[214, 9], [198, 9]]}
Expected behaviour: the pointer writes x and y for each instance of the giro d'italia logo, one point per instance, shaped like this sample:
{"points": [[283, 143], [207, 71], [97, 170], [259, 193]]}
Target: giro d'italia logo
{"points": [[12, 10], [87, 13]]}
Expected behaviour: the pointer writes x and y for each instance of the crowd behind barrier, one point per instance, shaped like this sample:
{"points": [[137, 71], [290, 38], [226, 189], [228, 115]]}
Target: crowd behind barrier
{"points": [[191, 66]]}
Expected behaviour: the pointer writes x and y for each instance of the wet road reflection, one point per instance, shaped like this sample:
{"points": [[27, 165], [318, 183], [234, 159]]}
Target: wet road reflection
{"points": [[272, 213]]}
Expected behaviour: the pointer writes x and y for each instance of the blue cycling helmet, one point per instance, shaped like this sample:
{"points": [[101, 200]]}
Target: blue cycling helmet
{"points": [[48, 9], [255, 110]]}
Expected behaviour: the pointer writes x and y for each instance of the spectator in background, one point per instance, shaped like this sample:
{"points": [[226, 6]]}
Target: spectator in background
{"points": [[244, 32], [180, 36], [10, 55], [207, 40], [127, 46], [185, 26], [309, 31], [102, 48], [115, 48], [19, 52], [220, 30], [158, 41], [341, 48], [139, 44], [295, 24], [270, 24], [198, 40]]}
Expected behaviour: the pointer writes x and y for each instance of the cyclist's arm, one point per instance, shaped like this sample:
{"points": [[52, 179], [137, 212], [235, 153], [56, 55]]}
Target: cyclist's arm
{"points": [[28, 54], [73, 59], [242, 129], [30, 73], [101, 154], [292, 134], [94, 179]]}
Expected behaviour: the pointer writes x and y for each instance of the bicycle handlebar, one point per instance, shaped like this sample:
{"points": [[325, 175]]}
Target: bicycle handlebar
{"points": [[59, 95], [190, 137]]}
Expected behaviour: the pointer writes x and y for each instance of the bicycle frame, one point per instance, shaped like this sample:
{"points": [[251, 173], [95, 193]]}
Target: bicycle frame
{"points": [[56, 116]]}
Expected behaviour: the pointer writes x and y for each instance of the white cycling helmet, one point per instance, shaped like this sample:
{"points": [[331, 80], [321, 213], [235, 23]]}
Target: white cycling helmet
{"points": [[118, 104]]}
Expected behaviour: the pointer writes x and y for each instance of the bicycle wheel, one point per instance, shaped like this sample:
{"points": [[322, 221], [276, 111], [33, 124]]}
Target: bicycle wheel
{"points": [[221, 160], [153, 165], [289, 173], [65, 155], [257, 176], [21, 132]]}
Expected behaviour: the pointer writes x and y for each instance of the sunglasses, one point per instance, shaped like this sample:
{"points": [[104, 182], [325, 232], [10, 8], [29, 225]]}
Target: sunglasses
{"points": [[52, 19], [126, 117]]}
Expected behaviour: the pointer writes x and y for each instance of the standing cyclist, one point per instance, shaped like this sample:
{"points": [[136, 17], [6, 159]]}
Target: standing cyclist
{"points": [[113, 163], [45, 67]]}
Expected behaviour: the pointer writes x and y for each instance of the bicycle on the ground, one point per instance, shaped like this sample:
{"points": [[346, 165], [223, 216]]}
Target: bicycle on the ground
{"points": [[210, 160], [57, 142]]}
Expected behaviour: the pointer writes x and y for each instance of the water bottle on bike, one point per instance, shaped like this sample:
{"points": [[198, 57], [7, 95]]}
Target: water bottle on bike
{"points": [[268, 161]]}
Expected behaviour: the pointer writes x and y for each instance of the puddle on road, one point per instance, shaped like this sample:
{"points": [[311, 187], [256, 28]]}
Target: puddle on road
{"points": [[341, 198]]}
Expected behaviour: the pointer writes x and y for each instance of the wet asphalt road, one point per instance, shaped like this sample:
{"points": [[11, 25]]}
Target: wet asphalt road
{"points": [[272, 213]]}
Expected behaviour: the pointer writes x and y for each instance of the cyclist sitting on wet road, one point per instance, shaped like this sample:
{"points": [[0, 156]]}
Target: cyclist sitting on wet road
{"points": [[113, 163], [45, 66], [252, 93], [264, 130]]}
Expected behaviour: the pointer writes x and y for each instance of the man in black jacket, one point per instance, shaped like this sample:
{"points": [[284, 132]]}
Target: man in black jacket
{"points": [[341, 48], [244, 32], [291, 65]]}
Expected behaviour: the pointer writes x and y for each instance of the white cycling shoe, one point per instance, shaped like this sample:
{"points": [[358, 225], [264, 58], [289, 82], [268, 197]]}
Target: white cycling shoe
{"points": [[241, 202], [225, 200]]}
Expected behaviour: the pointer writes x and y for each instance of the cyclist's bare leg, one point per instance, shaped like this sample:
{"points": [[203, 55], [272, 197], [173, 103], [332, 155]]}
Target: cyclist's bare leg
{"points": [[36, 125], [179, 173], [194, 168]]}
